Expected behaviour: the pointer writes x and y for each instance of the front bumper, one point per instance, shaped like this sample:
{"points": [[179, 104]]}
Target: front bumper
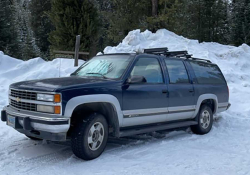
{"points": [[39, 125]]}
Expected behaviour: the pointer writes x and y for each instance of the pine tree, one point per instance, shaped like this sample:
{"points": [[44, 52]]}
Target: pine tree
{"points": [[104, 9], [240, 22], [165, 15], [205, 20], [124, 16], [40, 24], [71, 18], [8, 41], [27, 47], [4, 25], [221, 22]]}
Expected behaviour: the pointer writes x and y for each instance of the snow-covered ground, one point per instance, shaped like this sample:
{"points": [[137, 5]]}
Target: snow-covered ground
{"points": [[225, 150]]}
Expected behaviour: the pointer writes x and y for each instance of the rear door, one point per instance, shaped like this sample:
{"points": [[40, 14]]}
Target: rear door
{"points": [[181, 99]]}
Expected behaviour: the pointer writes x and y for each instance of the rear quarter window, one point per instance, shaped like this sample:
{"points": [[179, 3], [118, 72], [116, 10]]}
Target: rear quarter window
{"points": [[207, 73]]}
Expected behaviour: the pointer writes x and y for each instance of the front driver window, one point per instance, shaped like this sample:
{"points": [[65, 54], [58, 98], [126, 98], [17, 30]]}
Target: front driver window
{"points": [[149, 68]]}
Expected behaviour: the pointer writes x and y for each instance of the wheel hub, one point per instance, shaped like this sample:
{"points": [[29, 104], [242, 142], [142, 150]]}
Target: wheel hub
{"points": [[95, 136], [205, 119]]}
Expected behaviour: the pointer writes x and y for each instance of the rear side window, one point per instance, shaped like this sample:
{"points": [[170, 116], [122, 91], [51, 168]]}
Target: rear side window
{"points": [[176, 71], [207, 73]]}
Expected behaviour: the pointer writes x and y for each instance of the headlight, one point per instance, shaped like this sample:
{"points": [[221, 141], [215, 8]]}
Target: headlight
{"points": [[49, 109], [47, 97]]}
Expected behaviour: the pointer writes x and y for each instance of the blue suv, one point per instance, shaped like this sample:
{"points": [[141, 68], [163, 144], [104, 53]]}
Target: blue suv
{"points": [[118, 95]]}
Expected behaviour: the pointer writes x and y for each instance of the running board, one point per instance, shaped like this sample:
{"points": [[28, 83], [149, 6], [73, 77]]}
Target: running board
{"points": [[146, 129]]}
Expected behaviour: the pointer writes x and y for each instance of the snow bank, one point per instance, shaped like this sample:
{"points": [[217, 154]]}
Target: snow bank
{"points": [[14, 70], [6, 62]]}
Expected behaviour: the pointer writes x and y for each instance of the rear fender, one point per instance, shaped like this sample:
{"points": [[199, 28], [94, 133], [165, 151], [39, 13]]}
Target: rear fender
{"points": [[206, 97]]}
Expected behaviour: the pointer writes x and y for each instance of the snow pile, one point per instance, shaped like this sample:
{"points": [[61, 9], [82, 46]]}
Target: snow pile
{"points": [[6, 62], [225, 150], [233, 61], [14, 70]]}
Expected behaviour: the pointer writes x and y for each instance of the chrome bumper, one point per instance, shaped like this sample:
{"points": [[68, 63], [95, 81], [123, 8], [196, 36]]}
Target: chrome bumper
{"points": [[38, 121]]}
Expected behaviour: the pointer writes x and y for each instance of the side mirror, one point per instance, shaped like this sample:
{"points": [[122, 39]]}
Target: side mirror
{"points": [[136, 79]]}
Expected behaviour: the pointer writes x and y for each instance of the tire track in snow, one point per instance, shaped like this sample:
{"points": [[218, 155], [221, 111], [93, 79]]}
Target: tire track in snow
{"points": [[25, 163], [134, 149]]}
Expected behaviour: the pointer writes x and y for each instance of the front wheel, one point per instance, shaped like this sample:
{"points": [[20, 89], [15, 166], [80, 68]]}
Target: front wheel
{"points": [[89, 138], [205, 121]]}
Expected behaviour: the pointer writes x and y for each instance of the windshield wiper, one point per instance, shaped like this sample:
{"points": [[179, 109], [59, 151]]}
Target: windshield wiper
{"points": [[98, 74]]}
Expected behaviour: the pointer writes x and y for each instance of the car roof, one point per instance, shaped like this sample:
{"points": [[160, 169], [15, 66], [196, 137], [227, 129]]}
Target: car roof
{"points": [[165, 54]]}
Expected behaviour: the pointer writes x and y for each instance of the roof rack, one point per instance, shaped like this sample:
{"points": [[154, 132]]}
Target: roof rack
{"points": [[179, 54], [199, 59], [164, 51], [157, 51]]}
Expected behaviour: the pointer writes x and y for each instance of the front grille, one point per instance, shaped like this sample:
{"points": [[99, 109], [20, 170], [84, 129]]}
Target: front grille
{"points": [[23, 105], [23, 94]]}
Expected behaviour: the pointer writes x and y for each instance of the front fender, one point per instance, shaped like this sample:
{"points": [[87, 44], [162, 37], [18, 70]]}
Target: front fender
{"points": [[76, 101]]}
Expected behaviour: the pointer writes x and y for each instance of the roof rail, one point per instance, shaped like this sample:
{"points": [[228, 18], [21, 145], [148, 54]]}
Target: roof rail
{"points": [[164, 51]]}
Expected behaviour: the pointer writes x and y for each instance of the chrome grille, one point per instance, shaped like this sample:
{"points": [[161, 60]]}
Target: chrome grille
{"points": [[23, 105], [23, 94]]}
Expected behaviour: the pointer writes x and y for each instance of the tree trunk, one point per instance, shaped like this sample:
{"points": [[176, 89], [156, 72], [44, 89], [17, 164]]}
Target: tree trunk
{"points": [[199, 21], [154, 8]]}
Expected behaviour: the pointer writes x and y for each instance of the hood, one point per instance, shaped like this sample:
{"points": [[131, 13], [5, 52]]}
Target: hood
{"points": [[53, 84]]}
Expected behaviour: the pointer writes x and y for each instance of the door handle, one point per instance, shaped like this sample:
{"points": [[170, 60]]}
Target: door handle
{"points": [[191, 90], [164, 91]]}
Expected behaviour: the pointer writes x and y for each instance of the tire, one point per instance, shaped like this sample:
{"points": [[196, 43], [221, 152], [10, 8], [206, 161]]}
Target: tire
{"points": [[33, 138], [205, 121], [89, 138]]}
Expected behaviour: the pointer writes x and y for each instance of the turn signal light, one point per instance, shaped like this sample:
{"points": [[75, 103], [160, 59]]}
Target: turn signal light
{"points": [[57, 98], [57, 109]]}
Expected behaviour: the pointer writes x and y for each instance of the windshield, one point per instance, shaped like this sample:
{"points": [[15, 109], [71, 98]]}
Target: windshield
{"points": [[107, 66]]}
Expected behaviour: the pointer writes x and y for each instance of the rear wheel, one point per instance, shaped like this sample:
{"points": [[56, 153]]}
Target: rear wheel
{"points": [[205, 121], [89, 138]]}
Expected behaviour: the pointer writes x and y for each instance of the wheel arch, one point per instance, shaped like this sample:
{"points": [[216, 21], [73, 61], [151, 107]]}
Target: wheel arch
{"points": [[205, 98], [107, 105]]}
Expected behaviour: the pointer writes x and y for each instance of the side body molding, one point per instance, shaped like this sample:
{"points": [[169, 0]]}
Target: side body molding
{"points": [[76, 101], [205, 97]]}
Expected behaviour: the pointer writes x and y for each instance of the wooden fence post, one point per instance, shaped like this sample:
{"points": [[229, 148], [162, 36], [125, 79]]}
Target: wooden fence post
{"points": [[77, 47]]}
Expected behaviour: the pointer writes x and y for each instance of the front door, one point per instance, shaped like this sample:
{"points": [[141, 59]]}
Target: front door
{"points": [[180, 91], [147, 102]]}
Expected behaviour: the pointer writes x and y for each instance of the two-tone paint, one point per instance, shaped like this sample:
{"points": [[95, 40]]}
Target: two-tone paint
{"points": [[135, 104]]}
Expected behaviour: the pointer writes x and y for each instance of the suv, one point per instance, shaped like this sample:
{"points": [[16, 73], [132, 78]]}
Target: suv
{"points": [[119, 95]]}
